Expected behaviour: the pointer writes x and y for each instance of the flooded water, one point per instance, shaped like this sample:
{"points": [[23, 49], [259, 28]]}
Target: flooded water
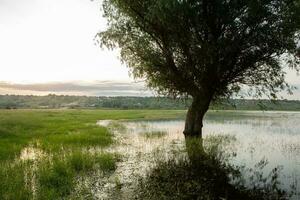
{"points": [[140, 144], [274, 136], [270, 136]]}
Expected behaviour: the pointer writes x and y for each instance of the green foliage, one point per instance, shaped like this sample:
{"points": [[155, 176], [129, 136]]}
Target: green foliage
{"points": [[205, 48]]}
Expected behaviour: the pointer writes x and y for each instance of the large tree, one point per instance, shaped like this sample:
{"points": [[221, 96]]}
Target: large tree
{"points": [[205, 49]]}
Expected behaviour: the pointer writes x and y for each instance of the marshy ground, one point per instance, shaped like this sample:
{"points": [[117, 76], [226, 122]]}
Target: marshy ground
{"points": [[44, 154], [140, 154]]}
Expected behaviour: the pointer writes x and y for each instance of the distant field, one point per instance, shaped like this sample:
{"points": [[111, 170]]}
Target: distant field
{"points": [[61, 101], [62, 139]]}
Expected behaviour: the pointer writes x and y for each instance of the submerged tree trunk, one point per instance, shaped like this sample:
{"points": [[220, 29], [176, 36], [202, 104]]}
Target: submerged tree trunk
{"points": [[193, 128], [194, 117]]}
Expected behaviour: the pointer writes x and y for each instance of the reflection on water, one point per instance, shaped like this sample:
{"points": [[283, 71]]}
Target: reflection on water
{"points": [[271, 135], [140, 144], [274, 136]]}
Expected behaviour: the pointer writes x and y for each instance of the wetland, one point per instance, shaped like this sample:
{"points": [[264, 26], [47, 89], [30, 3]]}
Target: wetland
{"points": [[130, 154]]}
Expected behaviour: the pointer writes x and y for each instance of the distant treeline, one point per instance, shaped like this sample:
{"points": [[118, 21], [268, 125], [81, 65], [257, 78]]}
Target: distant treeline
{"points": [[63, 101]]}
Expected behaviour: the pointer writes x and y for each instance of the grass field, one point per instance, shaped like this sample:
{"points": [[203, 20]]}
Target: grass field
{"points": [[43, 152]]}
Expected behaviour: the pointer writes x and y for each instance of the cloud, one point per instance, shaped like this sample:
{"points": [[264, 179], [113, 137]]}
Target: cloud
{"points": [[92, 88], [296, 93]]}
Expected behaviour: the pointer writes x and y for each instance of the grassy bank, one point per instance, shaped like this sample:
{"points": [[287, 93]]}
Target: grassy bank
{"points": [[44, 152]]}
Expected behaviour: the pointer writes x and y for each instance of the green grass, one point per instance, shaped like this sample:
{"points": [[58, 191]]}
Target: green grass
{"points": [[57, 177], [64, 136], [51, 129], [83, 162], [154, 134], [13, 183]]}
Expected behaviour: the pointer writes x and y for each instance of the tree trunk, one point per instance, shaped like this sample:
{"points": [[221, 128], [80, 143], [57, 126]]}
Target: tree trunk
{"points": [[194, 117], [193, 128]]}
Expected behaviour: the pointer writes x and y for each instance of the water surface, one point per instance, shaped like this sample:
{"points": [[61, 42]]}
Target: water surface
{"points": [[270, 136]]}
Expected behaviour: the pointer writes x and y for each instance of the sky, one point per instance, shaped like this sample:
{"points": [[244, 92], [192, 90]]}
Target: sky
{"points": [[47, 46]]}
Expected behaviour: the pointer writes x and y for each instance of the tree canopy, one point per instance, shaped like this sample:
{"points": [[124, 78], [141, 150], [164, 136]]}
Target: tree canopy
{"points": [[205, 48], [210, 46]]}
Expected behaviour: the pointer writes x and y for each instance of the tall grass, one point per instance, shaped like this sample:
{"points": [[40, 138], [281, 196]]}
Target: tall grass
{"points": [[154, 134], [52, 129], [15, 181], [51, 178], [57, 177]]}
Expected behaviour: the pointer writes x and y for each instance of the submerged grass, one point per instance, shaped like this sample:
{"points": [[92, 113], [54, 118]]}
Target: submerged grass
{"points": [[57, 177], [90, 136], [55, 128], [154, 134], [84, 162], [68, 138], [64, 136], [208, 176], [51, 178]]}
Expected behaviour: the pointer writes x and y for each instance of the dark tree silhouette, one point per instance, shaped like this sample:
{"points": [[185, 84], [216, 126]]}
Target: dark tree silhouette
{"points": [[205, 49]]}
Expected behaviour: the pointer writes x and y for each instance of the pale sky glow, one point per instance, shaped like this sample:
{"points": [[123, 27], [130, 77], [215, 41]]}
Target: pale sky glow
{"points": [[51, 42]]}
